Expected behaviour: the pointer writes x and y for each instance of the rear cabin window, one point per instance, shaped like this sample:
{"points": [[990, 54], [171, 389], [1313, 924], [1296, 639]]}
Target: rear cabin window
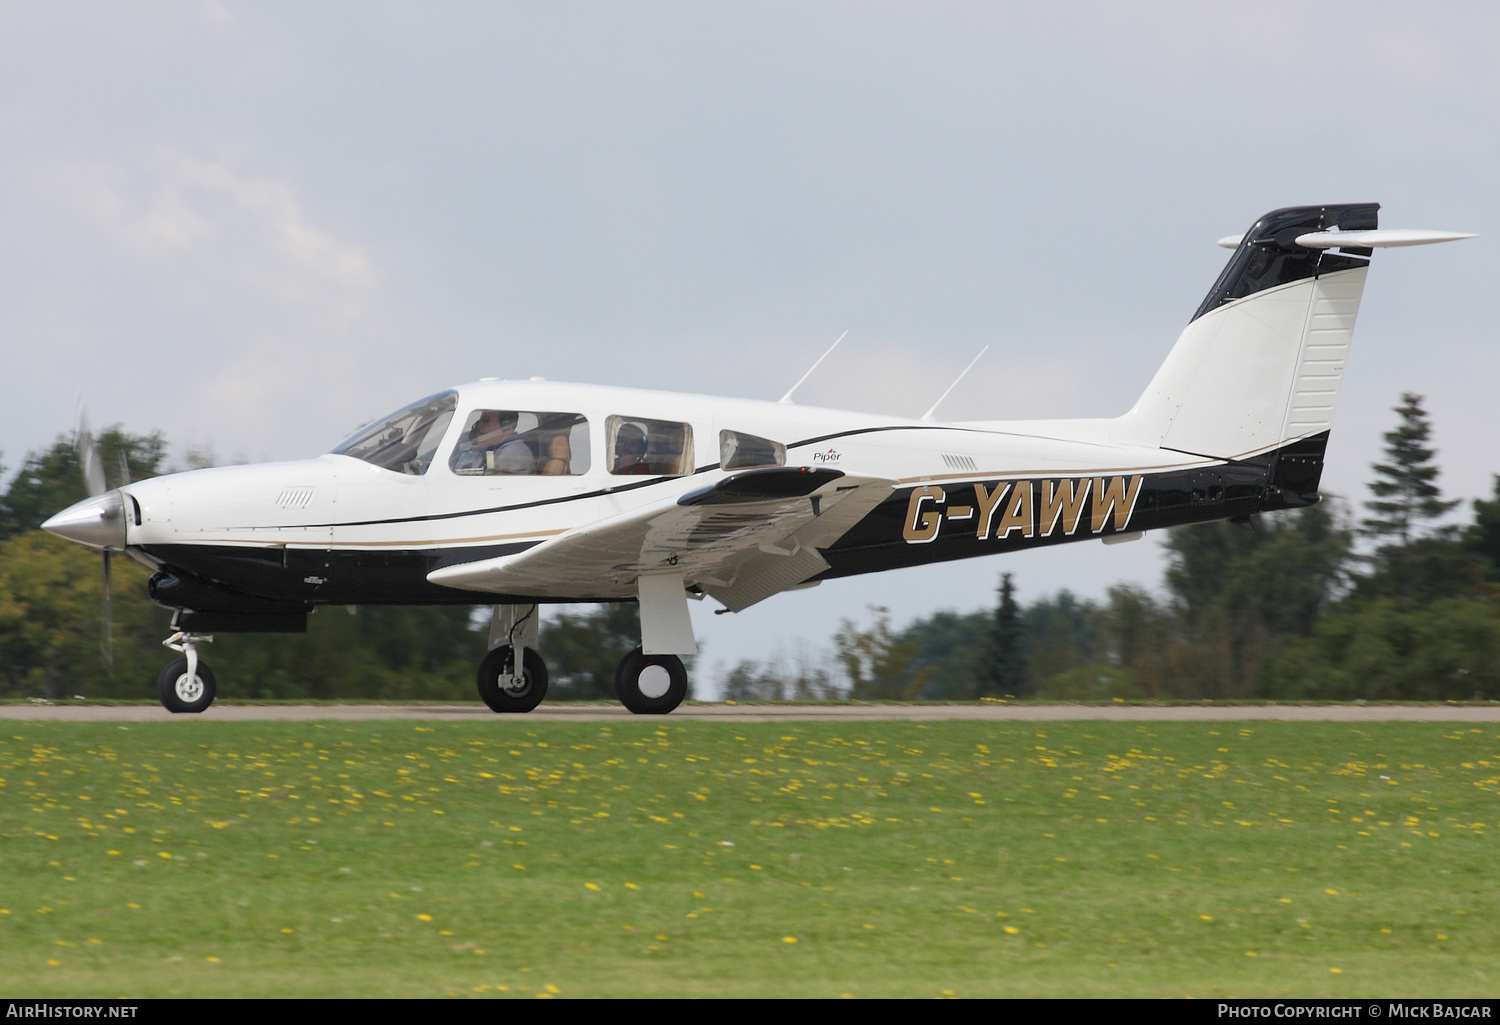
{"points": [[509, 442], [738, 451], [648, 447]]}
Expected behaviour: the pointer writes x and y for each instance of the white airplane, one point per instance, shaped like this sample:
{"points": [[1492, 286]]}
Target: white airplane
{"points": [[531, 492]]}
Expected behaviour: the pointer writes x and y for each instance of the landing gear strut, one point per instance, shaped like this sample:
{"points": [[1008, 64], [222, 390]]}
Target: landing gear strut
{"points": [[186, 684]]}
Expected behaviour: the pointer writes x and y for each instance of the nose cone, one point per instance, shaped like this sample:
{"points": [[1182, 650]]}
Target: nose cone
{"points": [[98, 522]]}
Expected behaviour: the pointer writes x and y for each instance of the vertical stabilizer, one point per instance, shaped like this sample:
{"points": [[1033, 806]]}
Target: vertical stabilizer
{"points": [[1262, 360]]}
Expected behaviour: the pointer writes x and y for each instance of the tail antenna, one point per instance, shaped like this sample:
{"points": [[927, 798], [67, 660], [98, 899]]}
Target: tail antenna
{"points": [[787, 398], [928, 415]]}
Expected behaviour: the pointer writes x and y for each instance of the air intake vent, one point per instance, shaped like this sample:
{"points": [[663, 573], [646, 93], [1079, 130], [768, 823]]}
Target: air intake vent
{"points": [[959, 462], [295, 498]]}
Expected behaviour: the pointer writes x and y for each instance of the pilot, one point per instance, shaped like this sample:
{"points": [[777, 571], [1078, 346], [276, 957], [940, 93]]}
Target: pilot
{"points": [[630, 450], [492, 446]]}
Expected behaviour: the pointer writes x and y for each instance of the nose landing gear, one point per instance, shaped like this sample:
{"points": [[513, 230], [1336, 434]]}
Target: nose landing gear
{"points": [[513, 677], [186, 684], [506, 690]]}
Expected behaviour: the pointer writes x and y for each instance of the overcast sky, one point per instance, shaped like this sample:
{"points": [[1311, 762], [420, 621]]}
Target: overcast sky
{"points": [[254, 226]]}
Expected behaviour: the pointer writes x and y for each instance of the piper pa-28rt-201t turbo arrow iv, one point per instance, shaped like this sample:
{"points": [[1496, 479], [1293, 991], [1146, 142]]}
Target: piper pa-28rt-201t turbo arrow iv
{"points": [[531, 492]]}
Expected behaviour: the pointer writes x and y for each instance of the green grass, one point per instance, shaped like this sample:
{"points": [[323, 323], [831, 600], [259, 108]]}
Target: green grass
{"points": [[523, 858]]}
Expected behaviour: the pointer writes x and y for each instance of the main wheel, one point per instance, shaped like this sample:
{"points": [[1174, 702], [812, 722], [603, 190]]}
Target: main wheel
{"points": [[521, 698], [180, 694], [650, 684]]}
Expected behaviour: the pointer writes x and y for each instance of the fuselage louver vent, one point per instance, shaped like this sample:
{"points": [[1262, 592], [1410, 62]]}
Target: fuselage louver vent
{"points": [[295, 498], [959, 462]]}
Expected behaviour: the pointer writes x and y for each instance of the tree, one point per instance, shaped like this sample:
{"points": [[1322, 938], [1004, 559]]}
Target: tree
{"points": [[50, 626], [1237, 591], [1382, 650], [1405, 488], [1004, 669], [1059, 633], [1414, 562], [1482, 538], [878, 662], [952, 645]]}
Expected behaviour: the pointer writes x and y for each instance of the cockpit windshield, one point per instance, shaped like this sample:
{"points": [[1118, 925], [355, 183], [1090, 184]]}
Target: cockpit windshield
{"points": [[405, 440]]}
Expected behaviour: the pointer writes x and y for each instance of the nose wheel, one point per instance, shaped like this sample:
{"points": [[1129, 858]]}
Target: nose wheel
{"points": [[505, 690], [650, 684], [187, 684]]}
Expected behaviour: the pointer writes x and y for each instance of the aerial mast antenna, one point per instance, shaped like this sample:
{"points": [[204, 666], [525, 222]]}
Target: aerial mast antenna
{"points": [[787, 398], [928, 415]]}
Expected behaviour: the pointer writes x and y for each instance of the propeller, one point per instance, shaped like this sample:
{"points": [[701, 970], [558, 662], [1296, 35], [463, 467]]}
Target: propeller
{"points": [[93, 479]]}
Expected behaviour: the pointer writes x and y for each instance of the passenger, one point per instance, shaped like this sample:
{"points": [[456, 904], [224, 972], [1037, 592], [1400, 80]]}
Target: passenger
{"points": [[630, 451], [559, 456]]}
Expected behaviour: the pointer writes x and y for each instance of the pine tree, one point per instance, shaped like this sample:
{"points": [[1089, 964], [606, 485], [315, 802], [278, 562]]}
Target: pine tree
{"points": [[1007, 657], [1406, 492], [1483, 537]]}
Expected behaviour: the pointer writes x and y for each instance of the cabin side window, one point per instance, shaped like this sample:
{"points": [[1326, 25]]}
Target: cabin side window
{"points": [[509, 442], [646, 447], [738, 451], [406, 440]]}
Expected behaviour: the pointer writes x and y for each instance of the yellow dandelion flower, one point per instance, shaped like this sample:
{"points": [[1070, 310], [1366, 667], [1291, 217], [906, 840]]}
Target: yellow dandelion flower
{"points": [[1012, 929], [788, 939], [591, 886], [425, 918]]}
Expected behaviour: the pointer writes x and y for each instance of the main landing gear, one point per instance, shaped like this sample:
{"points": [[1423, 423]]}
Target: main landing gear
{"points": [[650, 684], [513, 677], [186, 684]]}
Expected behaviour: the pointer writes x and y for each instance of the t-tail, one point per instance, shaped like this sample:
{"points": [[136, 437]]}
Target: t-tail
{"points": [[1256, 372]]}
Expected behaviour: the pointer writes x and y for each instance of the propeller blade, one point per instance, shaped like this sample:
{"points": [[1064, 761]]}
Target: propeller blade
{"points": [[88, 455], [124, 469], [107, 629]]}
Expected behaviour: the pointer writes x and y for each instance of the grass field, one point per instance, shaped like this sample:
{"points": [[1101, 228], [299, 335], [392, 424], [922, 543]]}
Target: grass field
{"points": [[518, 858]]}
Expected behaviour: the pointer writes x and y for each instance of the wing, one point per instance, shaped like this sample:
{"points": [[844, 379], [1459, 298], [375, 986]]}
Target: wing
{"points": [[741, 540]]}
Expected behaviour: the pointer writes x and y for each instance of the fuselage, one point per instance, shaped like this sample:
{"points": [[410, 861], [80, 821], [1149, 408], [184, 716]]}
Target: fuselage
{"points": [[340, 529]]}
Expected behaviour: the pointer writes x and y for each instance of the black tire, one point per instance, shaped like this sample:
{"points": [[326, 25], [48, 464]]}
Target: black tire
{"points": [[177, 695], [651, 700], [533, 675]]}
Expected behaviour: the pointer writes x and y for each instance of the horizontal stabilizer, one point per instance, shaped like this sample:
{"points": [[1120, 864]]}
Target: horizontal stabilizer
{"points": [[1385, 238], [1381, 238]]}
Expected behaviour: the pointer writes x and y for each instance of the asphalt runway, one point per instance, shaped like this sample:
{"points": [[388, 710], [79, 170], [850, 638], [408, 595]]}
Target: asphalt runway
{"points": [[83, 711]]}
